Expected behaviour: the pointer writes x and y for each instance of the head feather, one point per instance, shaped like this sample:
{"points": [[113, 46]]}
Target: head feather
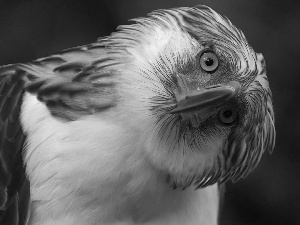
{"points": [[158, 47]]}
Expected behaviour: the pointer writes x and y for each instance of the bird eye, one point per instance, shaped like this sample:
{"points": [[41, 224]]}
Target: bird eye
{"points": [[209, 61], [228, 115]]}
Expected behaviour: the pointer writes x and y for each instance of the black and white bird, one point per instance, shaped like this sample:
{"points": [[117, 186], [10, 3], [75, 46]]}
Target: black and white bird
{"points": [[141, 127]]}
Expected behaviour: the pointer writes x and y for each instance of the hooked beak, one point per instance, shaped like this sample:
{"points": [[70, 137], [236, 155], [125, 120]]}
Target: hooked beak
{"points": [[205, 98]]}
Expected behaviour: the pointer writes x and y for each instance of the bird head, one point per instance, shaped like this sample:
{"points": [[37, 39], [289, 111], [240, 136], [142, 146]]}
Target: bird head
{"points": [[196, 93]]}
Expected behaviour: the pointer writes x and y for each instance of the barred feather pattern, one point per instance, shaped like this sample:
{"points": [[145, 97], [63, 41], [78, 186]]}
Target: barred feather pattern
{"points": [[74, 83]]}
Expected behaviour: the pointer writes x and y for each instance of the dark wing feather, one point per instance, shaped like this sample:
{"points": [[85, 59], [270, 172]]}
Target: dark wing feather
{"points": [[13, 189], [222, 190], [72, 83]]}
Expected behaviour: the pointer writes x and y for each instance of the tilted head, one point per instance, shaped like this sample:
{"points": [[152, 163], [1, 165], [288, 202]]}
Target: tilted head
{"points": [[197, 92]]}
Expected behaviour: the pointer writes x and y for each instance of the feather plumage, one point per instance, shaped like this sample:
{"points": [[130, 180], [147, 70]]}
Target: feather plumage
{"points": [[103, 142]]}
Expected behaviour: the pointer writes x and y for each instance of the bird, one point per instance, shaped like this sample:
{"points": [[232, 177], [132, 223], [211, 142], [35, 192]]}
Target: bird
{"points": [[144, 126]]}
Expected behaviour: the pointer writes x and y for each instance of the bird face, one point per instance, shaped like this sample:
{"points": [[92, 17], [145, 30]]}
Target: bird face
{"points": [[201, 93]]}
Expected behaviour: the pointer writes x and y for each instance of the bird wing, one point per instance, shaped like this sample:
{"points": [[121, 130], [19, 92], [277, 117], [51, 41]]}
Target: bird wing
{"points": [[73, 83], [13, 189], [58, 81]]}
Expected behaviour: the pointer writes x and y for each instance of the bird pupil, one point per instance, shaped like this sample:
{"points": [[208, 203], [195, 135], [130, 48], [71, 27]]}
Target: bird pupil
{"points": [[209, 61], [227, 113]]}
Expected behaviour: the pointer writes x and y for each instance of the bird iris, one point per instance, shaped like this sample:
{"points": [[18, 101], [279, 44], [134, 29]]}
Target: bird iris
{"points": [[228, 115], [209, 61]]}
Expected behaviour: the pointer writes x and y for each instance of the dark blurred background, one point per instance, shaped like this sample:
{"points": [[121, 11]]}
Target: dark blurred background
{"points": [[36, 28]]}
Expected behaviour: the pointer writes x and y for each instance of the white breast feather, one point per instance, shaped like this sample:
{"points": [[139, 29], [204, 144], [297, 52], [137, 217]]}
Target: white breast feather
{"points": [[92, 169]]}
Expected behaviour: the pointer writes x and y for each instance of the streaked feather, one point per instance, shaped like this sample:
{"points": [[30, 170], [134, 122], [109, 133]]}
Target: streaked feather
{"points": [[117, 94]]}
